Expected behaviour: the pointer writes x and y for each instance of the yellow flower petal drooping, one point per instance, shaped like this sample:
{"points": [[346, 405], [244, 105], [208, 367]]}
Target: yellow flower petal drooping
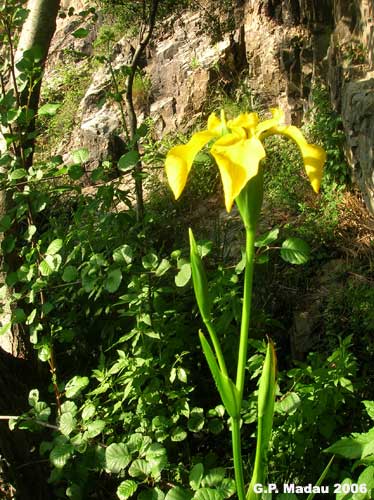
{"points": [[238, 151], [238, 161], [314, 156], [180, 158]]}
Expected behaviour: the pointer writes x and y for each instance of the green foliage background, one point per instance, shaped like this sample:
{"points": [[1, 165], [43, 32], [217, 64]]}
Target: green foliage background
{"points": [[126, 402]]}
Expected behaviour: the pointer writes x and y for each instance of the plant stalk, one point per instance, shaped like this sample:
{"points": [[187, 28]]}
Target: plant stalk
{"points": [[246, 310], [242, 359], [237, 456]]}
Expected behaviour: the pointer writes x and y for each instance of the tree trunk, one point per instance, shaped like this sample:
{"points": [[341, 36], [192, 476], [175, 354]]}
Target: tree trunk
{"points": [[37, 31], [19, 459], [20, 462]]}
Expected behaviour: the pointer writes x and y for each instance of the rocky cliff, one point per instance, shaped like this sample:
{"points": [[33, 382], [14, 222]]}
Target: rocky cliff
{"points": [[276, 49]]}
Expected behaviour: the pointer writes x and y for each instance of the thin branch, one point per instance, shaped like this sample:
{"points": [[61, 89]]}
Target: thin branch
{"points": [[143, 42], [39, 422]]}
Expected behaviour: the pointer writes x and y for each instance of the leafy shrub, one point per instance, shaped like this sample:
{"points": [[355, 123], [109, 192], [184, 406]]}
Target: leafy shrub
{"points": [[325, 126], [313, 409]]}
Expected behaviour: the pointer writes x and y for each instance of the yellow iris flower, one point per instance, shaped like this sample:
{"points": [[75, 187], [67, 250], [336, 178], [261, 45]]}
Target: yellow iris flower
{"points": [[238, 150]]}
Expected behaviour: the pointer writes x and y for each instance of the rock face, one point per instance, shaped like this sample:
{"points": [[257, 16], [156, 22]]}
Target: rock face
{"points": [[185, 67], [351, 78], [276, 47]]}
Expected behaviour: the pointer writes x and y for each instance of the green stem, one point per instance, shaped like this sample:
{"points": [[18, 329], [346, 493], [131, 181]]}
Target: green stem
{"points": [[246, 311], [237, 455], [242, 359]]}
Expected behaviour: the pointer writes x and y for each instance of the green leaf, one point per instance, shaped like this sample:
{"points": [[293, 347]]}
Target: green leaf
{"points": [[199, 279], [44, 352], [156, 458], [48, 109], [183, 276], [75, 386], [47, 307], [79, 441], [95, 428], [19, 173], [29, 233], [49, 264], [295, 251], [67, 424], [126, 489], [203, 247], [70, 274], [44, 268], [113, 280], [33, 397], [289, 404], [98, 174], [196, 475], [74, 492], [69, 407], [366, 477], [137, 443], [5, 223], [208, 494], [8, 244], [150, 261], [123, 254], [347, 447], [19, 315], [80, 155], [346, 383], [214, 477], [182, 375], [369, 406], [151, 494], [178, 434], [88, 411], [215, 426], [128, 161], [178, 493], [265, 239], [54, 247], [12, 115], [226, 388], [340, 496], [196, 420], [139, 468], [80, 33], [142, 131], [75, 172], [163, 267], [117, 457], [227, 487], [60, 455]]}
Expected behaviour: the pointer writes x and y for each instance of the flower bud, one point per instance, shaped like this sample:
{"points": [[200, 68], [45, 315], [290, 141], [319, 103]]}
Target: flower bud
{"points": [[200, 282]]}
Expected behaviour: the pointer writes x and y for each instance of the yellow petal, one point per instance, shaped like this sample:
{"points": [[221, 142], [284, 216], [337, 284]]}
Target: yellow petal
{"points": [[278, 114], [314, 159], [238, 161], [216, 126], [314, 156], [266, 127], [179, 160], [246, 121]]}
